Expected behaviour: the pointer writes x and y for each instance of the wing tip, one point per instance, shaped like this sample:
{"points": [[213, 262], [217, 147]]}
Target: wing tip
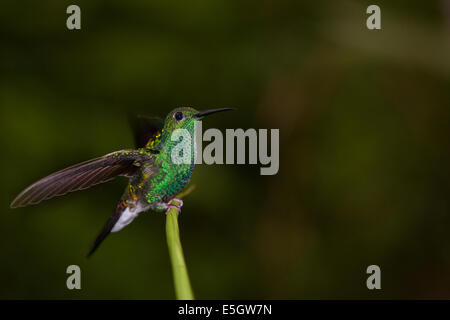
{"points": [[16, 204]]}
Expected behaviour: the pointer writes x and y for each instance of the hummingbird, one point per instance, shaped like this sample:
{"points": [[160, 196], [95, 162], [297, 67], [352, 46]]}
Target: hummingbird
{"points": [[154, 179]]}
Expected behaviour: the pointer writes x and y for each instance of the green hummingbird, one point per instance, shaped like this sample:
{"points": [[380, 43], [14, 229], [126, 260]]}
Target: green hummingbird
{"points": [[154, 179]]}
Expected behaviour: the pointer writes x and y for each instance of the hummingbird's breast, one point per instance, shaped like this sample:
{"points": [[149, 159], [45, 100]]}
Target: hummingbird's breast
{"points": [[171, 176]]}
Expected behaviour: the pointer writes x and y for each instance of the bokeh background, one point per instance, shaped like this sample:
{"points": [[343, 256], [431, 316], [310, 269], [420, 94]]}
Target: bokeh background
{"points": [[364, 154]]}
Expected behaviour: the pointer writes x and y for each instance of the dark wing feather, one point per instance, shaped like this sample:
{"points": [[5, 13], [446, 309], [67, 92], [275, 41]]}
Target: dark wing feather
{"points": [[145, 128], [79, 177]]}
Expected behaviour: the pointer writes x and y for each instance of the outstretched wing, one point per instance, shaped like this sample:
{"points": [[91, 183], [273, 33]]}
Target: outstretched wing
{"points": [[145, 129], [80, 176]]}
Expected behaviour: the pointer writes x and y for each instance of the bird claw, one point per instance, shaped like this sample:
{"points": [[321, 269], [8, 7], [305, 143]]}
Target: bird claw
{"points": [[178, 207]]}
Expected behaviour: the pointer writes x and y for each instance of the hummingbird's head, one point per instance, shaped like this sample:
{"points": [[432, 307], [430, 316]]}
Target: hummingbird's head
{"points": [[185, 117]]}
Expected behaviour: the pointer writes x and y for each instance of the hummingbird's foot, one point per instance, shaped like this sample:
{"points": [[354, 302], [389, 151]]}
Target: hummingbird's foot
{"points": [[178, 207]]}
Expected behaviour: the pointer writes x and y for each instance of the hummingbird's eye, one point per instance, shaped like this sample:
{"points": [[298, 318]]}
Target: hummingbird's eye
{"points": [[178, 116]]}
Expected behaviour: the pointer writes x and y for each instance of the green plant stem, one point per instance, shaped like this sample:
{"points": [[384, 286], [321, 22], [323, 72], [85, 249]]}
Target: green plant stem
{"points": [[183, 289]]}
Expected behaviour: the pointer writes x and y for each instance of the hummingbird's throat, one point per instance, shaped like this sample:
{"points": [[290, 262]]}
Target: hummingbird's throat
{"points": [[179, 146]]}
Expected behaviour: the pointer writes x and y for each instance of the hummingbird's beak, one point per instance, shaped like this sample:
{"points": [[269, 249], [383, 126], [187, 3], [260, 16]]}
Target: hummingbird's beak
{"points": [[201, 114]]}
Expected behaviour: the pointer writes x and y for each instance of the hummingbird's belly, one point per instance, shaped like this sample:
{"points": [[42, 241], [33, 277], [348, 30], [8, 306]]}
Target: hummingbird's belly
{"points": [[169, 181]]}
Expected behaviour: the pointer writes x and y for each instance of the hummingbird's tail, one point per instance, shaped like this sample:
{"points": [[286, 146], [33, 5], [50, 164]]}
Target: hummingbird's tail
{"points": [[120, 208], [126, 211]]}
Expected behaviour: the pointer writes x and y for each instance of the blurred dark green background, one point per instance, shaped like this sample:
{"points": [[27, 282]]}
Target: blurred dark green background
{"points": [[364, 157]]}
